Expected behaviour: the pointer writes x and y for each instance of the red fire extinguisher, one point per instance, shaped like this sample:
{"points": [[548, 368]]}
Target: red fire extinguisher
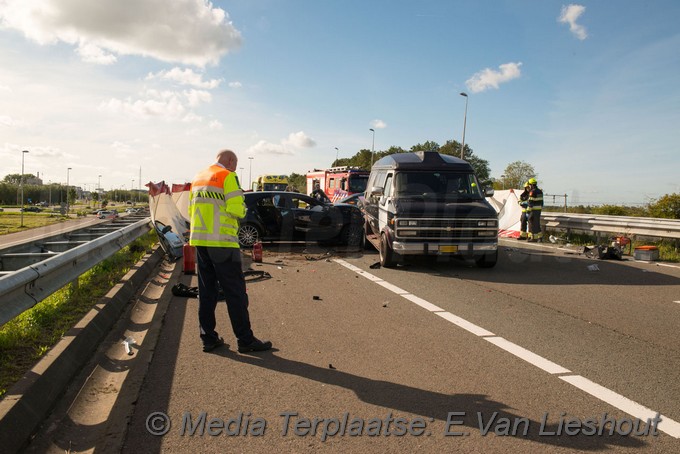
{"points": [[257, 252], [188, 259]]}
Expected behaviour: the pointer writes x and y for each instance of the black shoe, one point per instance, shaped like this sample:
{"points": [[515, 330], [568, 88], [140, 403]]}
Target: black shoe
{"points": [[522, 238], [212, 346], [255, 346]]}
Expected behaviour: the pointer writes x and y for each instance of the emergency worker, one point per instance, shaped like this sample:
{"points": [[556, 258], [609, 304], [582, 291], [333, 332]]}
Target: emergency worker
{"points": [[319, 195], [524, 217], [534, 207], [215, 206]]}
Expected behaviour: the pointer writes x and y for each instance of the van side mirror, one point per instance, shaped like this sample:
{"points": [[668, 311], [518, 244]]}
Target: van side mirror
{"points": [[488, 192], [376, 190]]}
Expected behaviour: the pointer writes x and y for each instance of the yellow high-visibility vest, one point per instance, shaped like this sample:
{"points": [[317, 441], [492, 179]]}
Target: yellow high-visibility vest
{"points": [[215, 206]]}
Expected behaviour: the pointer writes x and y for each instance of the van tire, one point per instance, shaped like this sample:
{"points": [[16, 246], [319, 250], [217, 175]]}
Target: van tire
{"points": [[388, 258], [487, 260]]}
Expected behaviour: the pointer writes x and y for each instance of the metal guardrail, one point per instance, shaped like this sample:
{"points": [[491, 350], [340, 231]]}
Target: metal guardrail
{"points": [[28, 286], [625, 225]]}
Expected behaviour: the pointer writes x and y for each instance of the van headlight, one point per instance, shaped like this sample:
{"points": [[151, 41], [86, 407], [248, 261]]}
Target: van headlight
{"points": [[408, 223], [487, 223]]}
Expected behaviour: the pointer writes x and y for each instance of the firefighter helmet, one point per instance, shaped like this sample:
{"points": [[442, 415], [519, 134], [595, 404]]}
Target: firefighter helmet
{"points": [[532, 181]]}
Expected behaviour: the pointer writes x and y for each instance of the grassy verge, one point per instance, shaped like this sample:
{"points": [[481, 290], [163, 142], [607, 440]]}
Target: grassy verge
{"points": [[11, 222], [668, 249], [26, 339]]}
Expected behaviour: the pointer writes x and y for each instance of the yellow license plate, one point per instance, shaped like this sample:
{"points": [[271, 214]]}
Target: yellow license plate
{"points": [[448, 249]]}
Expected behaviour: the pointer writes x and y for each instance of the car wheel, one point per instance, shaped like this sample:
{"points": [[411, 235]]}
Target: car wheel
{"points": [[248, 235], [487, 260], [388, 258]]}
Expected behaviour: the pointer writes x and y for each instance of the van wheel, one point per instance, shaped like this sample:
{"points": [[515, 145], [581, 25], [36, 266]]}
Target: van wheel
{"points": [[248, 235], [367, 245], [487, 260], [387, 255]]}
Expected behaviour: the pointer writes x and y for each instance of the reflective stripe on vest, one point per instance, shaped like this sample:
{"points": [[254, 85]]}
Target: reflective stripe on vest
{"points": [[215, 206]]}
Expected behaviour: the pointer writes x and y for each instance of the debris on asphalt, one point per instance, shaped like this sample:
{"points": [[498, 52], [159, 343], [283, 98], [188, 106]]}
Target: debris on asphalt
{"points": [[593, 267], [385, 304], [375, 266], [330, 366], [128, 343], [316, 298]]}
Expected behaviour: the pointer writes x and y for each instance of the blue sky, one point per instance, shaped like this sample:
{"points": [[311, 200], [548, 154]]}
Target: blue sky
{"points": [[585, 92]]}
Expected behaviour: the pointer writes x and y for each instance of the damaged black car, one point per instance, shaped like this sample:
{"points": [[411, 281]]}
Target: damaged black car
{"points": [[289, 216]]}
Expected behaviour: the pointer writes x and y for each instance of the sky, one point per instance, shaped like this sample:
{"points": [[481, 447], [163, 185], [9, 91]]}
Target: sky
{"points": [[588, 93]]}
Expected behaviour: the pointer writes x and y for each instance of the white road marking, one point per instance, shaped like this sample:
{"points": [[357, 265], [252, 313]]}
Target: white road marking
{"points": [[634, 409], [422, 303], [471, 327], [631, 407], [526, 355]]}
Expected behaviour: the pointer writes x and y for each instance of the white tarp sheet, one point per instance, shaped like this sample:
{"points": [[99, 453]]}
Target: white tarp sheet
{"points": [[164, 209], [505, 202]]}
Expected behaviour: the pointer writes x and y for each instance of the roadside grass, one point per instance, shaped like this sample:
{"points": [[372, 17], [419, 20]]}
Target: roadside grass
{"points": [[28, 337], [11, 222], [669, 250]]}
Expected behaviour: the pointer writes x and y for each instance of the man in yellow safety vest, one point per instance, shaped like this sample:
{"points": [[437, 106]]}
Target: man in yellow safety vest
{"points": [[215, 206]]}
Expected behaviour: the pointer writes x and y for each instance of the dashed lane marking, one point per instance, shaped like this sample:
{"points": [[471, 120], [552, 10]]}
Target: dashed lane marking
{"points": [[667, 425]]}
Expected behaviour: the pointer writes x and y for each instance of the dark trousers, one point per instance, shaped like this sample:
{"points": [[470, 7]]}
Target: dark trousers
{"points": [[221, 268], [523, 224], [535, 224]]}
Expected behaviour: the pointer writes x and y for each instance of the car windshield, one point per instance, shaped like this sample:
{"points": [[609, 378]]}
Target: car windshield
{"points": [[442, 185]]}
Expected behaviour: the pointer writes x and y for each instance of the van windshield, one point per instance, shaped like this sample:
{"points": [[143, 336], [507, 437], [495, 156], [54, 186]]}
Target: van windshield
{"points": [[449, 186]]}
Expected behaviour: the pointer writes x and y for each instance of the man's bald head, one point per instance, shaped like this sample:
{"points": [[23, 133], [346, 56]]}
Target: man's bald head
{"points": [[228, 159]]}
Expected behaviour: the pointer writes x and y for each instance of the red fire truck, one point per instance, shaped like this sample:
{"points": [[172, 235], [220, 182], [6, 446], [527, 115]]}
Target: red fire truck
{"points": [[338, 182]]}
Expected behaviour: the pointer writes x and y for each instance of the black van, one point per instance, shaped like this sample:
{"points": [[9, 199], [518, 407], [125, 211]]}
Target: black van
{"points": [[427, 203]]}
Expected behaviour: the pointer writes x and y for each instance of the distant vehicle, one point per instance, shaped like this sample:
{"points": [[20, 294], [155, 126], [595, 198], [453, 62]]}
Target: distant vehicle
{"points": [[270, 183], [290, 216], [132, 210], [31, 209], [107, 214], [338, 182]]}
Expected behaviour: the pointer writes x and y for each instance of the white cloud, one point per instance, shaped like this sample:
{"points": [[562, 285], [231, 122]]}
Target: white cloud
{"points": [[6, 121], [294, 140], [167, 104], [299, 140], [488, 78], [569, 15], [185, 77], [235, 84], [264, 147], [92, 53], [190, 32], [378, 124], [215, 125]]}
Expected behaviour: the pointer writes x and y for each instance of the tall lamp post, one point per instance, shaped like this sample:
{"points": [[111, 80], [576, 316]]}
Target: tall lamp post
{"points": [[240, 176], [462, 145], [336, 155], [68, 174], [99, 190], [133, 195], [250, 176], [372, 146], [21, 186]]}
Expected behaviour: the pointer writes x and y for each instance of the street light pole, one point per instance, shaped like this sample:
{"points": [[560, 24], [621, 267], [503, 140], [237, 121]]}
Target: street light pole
{"points": [[99, 190], [68, 174], [132, 188], [21, 186], [462, 145], [372, 146], [250, 176], [336, 155]]}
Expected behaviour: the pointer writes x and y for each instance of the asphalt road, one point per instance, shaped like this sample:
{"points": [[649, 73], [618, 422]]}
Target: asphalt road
{"points": [[534, 355]]}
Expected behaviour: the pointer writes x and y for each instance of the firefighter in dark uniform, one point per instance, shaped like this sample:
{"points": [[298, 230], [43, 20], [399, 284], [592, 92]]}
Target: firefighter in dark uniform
{"points": [[534, 207], [524, 218]]}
